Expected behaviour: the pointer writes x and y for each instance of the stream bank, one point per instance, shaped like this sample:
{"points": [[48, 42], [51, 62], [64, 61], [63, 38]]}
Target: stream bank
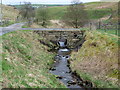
{"points": [[97, 60], [26, 62], [62, 42], [91, 43]]}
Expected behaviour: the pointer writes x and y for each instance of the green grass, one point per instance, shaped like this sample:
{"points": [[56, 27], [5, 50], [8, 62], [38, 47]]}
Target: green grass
{"points": [[7, 24], [25, 26], [97, 83], [96, 14], [57, 12], [108, 31], [93, 3], [92, 61], [26, 62]]}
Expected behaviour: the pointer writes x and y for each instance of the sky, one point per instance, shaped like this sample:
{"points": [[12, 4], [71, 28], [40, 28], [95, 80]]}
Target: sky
{"points": [[43, 1]]}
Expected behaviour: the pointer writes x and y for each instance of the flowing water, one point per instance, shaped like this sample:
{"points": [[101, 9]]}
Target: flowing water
{"points": [[61, 69]]}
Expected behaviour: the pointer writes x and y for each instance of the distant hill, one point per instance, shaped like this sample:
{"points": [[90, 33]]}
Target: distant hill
{"points": [[101, 5], [110, 0], [9, 12], [39, 5], [96, 10]]}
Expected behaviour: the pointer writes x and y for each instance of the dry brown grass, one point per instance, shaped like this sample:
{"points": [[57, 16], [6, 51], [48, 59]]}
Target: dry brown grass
{"points": [[52, 24], [9, 13], [101, 5], [98, 57]]}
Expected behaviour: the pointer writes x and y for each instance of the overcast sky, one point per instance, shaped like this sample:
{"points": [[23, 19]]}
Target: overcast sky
{"points": [[43, 1]]}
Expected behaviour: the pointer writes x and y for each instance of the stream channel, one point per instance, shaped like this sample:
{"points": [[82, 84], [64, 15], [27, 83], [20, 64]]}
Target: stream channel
{"points": [[62, 70]]}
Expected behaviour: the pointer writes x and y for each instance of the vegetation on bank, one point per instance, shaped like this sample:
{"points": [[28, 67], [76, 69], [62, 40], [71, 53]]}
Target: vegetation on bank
{"points": [[26, 62], [7, 24], [9, 15], [114, 32], [24, 58], [97, 60]]}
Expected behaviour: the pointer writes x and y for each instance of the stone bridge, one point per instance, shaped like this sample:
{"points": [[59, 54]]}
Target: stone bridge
{"points": [[51, 38]]}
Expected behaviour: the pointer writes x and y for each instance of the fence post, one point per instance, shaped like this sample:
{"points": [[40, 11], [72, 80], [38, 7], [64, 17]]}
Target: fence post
{"points": [[105, 27], [116, 29], [90, 25]]}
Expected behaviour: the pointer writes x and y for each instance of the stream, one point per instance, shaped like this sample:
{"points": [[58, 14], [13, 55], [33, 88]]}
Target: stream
{"points": [[61, 67], [63, 44]]}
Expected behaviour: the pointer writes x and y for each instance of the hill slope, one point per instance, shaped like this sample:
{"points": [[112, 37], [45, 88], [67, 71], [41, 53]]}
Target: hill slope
{"points": [[9, 13], [97, 60], [96, 10], [26, 62]]}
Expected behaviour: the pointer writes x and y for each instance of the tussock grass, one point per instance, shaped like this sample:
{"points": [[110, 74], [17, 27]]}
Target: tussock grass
{"points": [[97, 60], [26, 62], [9, 13]]}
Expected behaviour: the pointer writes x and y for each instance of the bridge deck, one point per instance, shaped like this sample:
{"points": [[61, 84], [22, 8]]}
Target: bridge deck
{"points": [[4, 30], [52, 29]]}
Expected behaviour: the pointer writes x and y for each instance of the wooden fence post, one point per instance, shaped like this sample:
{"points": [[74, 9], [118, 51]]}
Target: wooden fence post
{"points": [[90, 25], [99, 25]]}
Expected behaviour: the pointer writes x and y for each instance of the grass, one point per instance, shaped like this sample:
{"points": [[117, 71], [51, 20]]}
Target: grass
{"points": [[9, 13], [97, 59], [101, 5], [25, 26], [7, 24], [98, 13], [96, 82], [57, 12], [114, 32], [92, 9], [26, 62]]}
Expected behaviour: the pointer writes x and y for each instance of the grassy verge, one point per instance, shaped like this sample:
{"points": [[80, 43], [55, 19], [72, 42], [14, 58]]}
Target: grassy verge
{"points": [[25, 26], [7, 24], [108, 31], [96, 82], [26, 62], [97, 60]]}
